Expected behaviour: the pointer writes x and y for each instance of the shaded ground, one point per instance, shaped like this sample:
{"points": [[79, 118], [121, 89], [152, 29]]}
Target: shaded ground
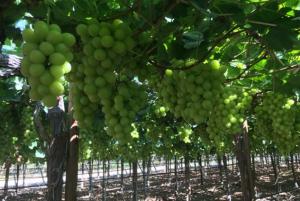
{"points": [[162, 187]]}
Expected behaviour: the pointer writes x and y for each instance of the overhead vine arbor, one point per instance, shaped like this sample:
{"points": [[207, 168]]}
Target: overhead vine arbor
{"points": [[190, 75]]}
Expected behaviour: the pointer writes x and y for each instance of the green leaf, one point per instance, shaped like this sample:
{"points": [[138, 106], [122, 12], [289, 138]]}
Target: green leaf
{"points": [[280, 39], [232, 72], [192, 39]]}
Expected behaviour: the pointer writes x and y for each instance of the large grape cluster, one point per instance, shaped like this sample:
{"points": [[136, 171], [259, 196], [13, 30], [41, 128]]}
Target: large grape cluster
{"points": [[191, 94], [46, 59], [276, 119], [99, 79], [228, 113]]}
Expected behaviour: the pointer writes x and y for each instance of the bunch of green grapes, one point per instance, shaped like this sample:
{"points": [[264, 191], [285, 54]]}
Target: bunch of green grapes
{"points": [[104, 46], [276, 119], [47, 53], [84, 108], [120, 112], [191, 93], [100, 78], [228, 113]]}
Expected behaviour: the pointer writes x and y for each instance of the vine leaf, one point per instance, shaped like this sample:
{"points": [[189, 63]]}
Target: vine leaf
{"points": [[192, 39]]}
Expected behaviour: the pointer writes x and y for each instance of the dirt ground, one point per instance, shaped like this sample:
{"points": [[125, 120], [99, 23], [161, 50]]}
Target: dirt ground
{"points": [[162, 188]]}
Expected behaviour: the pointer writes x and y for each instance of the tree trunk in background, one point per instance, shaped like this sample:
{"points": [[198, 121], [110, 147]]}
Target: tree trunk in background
{"points": [[24, 173], [275, 171], [200, 169], [144, 177], [104, 181], [176, 177], [134, 180], [72, 164], [18, 175], [278, 161], [122, 174], [253, 168], [117, 167], [244, 162], [287, 161], [7, 168], [293, 170], [108, 168], [148, 171], [226, 180], [220, 167], [130, 167], [90, 178], [187, 178]]}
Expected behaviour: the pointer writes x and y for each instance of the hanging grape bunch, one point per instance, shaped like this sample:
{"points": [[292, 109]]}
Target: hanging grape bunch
{"points": [[99, 77], [276, 119], [191, 93], [47, 53], [228, 114]]}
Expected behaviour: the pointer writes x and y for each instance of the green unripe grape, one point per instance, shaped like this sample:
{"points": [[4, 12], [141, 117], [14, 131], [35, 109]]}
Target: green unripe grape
{"points": [[168, 72], [57, 59], [25, 65], [54, 27], [110, 77], [100, 54], [56, 71], [119, 34], [93, 29], [104, 31], [84, 100], [96, 42], [33, 81], [215, 65], [100, 82], [34, 95], [54, 37], [56, 88], [81, 29], [88, 49], [68, 39], [28, 48], [130, 43], [50, 101], [41, 30], [90, 89], [29, 36], [116, 23], [119, 48], [46, 48], [36, 70], [67, 67], [104, 93], [61, 48], [43, 90], [37, 57], [69, 56], [107, 63], [46, 78], [107, 41]]}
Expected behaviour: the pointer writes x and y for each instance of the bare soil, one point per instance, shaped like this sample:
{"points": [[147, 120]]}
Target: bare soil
{"points": [[162, 187]]}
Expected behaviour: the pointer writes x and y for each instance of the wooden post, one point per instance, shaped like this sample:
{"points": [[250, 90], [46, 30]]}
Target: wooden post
{"points": [[244, 162], [72, 164], [134, 180]]}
